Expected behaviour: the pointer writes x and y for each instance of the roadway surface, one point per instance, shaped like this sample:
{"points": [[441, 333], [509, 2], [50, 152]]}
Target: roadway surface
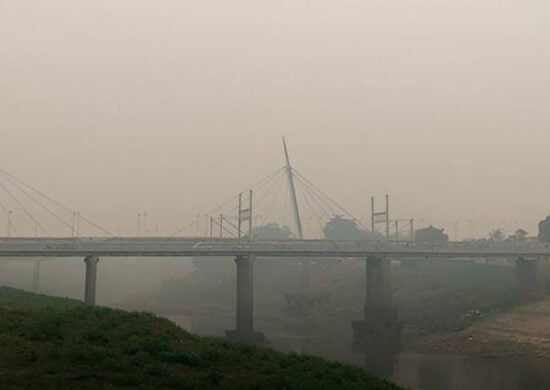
{"points": [[215, 247]]}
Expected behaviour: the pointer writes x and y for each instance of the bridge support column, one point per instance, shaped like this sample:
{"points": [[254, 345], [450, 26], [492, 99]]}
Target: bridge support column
{"points": [[36, 276], [244, 332], [530, 280], [379, 334], [91, 279]]}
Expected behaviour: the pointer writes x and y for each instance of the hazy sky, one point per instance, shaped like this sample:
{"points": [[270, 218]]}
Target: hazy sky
{"points": [[172, 106]]}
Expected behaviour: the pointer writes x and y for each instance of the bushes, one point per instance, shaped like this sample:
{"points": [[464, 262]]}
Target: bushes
{"points": [[60, 343]]}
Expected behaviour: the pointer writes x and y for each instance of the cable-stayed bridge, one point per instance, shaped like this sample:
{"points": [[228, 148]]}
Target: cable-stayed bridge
{"points": [[229, 231]]}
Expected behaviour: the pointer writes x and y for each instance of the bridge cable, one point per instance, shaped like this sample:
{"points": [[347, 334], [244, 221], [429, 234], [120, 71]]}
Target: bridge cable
{"points": [[67, 209], [7, 214], [316, 199], [260, 194], [24, 209], [269, 190], [53, 214], [209, 213], [347, 213], [275, 193], [317, 194], [317, 218], [335, 210]]}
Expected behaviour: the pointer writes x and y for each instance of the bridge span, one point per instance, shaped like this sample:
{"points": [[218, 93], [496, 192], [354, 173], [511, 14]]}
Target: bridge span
{"points": [[233, 247], [380, 327]]}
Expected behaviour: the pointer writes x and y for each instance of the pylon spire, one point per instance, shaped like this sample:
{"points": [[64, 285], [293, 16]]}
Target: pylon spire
{"points": [[292, 189]]}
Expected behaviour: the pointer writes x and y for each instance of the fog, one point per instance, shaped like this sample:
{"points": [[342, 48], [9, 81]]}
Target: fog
{"points": [[145, 115], [118, 107]]}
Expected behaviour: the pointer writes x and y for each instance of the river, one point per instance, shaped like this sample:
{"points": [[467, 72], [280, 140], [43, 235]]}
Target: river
{"points": [[450, 372], [429, 371]]}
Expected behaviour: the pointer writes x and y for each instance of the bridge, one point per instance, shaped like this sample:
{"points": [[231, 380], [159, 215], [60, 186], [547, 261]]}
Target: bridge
{"points": [[236, 240], [379, 308], [232, 247]]}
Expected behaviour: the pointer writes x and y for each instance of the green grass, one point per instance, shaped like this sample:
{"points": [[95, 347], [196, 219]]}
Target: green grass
{"points": [[63, 344]]}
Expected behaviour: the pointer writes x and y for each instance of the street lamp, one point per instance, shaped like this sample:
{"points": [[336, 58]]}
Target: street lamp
{"points": [[138, 223], [9, 226], [456, 229], [145, 216]]}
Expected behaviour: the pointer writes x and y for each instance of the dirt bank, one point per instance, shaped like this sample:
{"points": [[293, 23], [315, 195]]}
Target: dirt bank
{"points": [[521, 332]]}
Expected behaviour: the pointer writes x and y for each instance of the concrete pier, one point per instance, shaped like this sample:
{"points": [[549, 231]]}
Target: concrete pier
{"points": [[244, 331], [530, 279], [378, 290], [379, 334], [91, 279], [36, 277]]}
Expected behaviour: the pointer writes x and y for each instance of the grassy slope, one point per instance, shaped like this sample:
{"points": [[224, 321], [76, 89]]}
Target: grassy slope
{"points": [[60, 343]]}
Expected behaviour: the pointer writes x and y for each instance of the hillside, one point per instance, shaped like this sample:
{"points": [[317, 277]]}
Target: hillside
{"points": [[60, 343]]}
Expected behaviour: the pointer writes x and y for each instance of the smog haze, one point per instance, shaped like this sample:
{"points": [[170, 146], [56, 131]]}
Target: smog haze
{"points": [[115, 107]]}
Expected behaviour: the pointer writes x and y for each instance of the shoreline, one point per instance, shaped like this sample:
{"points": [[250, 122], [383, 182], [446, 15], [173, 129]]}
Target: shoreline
{"points": [[523, 332]]}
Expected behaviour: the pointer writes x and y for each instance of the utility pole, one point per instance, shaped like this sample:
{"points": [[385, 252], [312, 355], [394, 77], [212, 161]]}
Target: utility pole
{"points": [[381, 217], [372, 213], [244, 215], [211, 227], [239, 223]]}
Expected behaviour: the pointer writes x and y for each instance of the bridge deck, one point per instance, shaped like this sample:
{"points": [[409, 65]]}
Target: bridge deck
{"points": [[210, 247]]}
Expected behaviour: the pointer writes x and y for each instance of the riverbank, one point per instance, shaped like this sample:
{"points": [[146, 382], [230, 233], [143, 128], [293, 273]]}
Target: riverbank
{"points": [[522, 332], [63, 344]]}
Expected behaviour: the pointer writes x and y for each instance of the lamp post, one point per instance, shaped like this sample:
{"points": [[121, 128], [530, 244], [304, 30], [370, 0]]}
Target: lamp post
{"points": [[456, 229], [138, 224], [9, 225]]}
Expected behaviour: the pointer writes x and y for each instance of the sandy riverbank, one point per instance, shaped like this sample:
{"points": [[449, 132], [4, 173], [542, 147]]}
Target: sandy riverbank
{"points": [[521, 332]]}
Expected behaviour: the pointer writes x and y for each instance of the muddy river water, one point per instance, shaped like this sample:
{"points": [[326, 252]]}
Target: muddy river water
{"points": [[441, 372], [434, 371]]}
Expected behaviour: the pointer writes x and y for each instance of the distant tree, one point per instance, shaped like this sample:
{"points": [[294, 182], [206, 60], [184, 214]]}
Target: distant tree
{"points": [[497, 235], [520, 235], [271, 231], [340, 228], [544, 230], [431, 234]]}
